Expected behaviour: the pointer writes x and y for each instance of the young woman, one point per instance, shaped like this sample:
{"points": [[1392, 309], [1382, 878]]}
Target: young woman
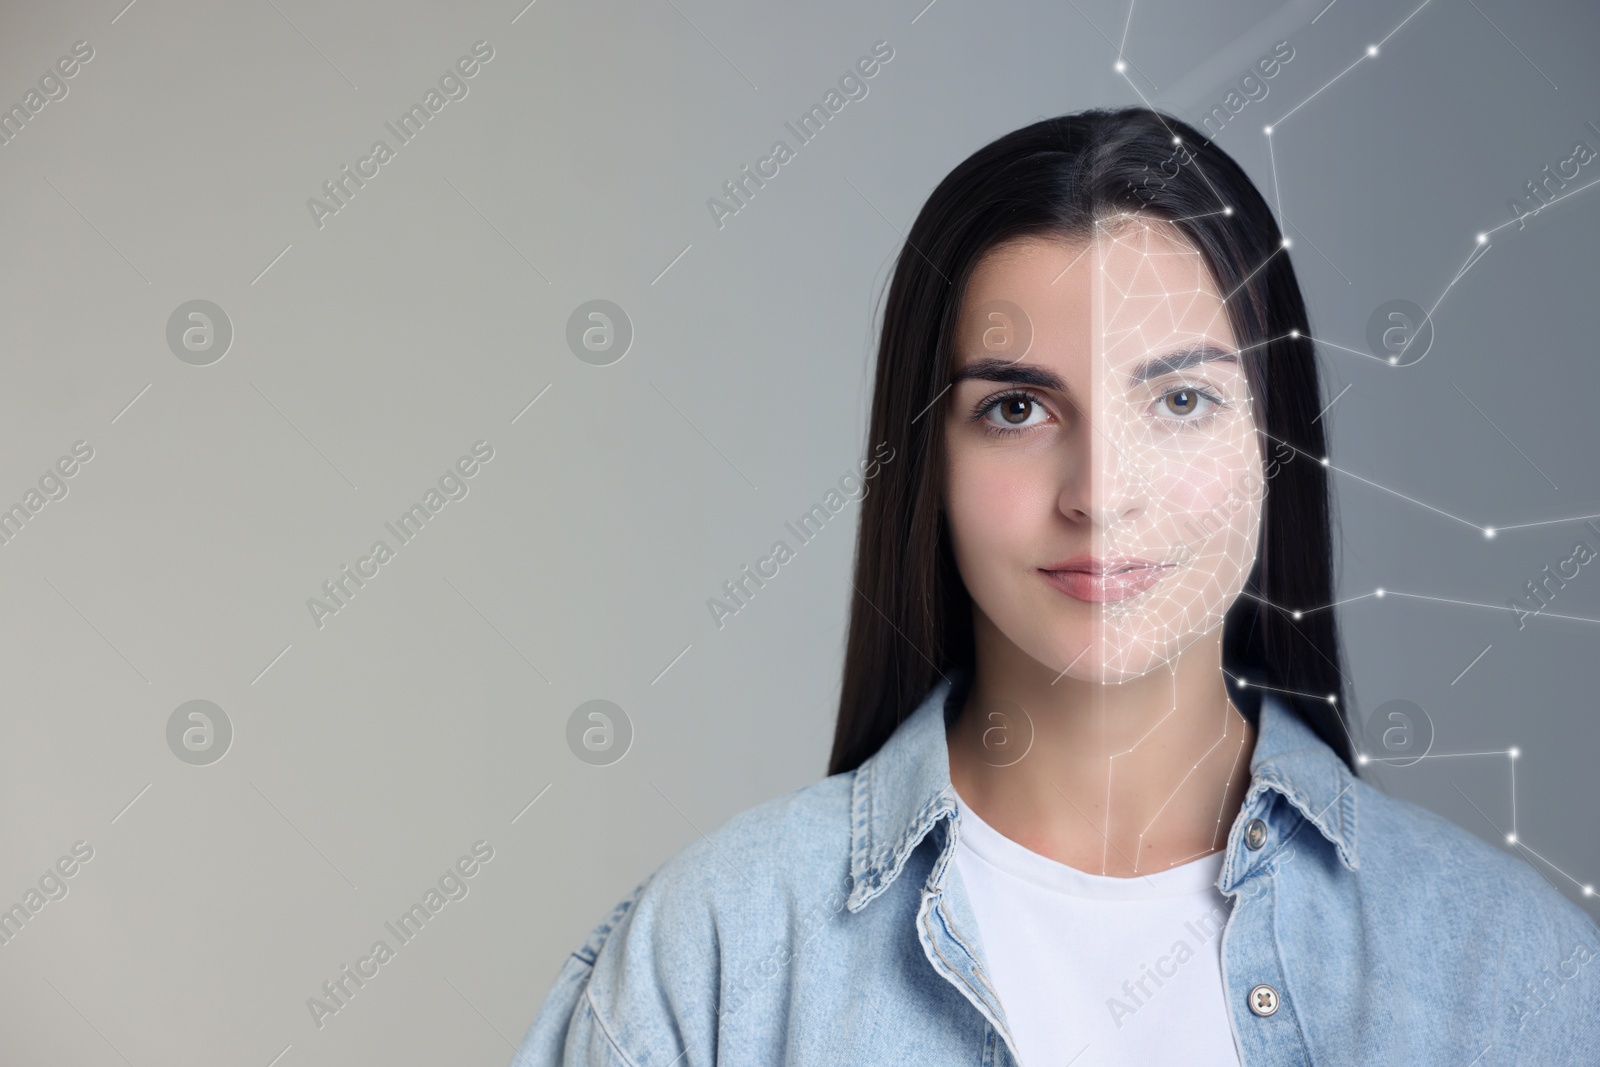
{"points": [[1092, 797]]}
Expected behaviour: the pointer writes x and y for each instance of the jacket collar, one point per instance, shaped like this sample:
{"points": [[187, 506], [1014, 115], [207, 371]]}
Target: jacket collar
{"points": [[904, 789]]}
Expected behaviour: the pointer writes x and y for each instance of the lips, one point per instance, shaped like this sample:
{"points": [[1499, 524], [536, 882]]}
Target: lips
{"points": [[1104, 580]]}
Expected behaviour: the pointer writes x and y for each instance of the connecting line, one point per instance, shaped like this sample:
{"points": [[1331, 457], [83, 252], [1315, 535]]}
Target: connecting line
{"points": [[1123, 47], [1343, 348], [1381, 593], [1277, 193], [1474, 663], [1071, 665], [1487, 531], [1541, 207], [1482, 247], [1495, 607], [1097, 830], [1233, 770], [1588, 890], [1284, 244], [1512, 839], [1513, 44], [1375, 485], [1332, 402], [1175, 790], [1409, 760], [1121, 59], [1298, 612], [1087, 245], [1371, 52], [1318, 251], [1363, 58], [1479, 250], [1244, 683], [1547, 522], [1503, 435], [1216, 194]]}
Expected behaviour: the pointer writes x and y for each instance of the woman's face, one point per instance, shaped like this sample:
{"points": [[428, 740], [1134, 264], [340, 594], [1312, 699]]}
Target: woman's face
{"points": [[1103, 485]]}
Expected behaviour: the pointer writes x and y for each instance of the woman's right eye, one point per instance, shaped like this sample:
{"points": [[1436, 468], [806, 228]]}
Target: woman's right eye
{"points": [[1012, 413]]}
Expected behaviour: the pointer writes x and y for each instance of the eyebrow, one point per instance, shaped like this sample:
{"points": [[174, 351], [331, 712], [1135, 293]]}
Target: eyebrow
{"points": [[1181, 360], [1001, 370]]}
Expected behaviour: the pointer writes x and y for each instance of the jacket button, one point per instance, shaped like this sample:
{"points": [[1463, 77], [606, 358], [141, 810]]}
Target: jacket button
{"points": [[1264, 1000], [1255, 835]]}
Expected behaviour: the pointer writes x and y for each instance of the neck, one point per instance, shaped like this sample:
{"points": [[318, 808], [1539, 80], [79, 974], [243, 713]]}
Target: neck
{"points": [[1122, 779]]}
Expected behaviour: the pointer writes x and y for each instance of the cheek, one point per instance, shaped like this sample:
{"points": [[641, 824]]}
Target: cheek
{"points": [[995, 505], [1198, 483], [1224, 485]]}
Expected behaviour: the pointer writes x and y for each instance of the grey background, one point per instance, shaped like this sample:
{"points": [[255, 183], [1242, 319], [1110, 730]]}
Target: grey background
{"points": [[369, 754]]}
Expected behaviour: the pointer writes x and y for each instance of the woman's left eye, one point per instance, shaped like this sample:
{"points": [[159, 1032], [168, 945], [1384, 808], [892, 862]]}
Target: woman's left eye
{"points": [[1182, 404]]}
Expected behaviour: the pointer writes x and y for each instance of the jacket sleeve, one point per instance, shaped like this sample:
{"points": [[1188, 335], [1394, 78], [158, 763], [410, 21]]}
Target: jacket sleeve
{"points": [[567, 1032]]}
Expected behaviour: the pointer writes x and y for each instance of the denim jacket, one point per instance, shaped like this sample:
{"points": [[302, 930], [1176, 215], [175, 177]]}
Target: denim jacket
{"points": [[829, 926]]}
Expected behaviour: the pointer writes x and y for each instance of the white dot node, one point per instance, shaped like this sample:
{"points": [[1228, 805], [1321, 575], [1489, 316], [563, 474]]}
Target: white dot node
{"points": [[1515, 753], [1324, 461], [1372, 49], [1393, 360], [1483, 238], [1378, 592], [1287, 242], [1297, 614], [1267, 130], [1294, 333], [1243, 683], [1511, 839], [1177, 140], [1588, 890], [1121, 66], [1489, 533], [1361, 759], [1332, 699], [1227, 211]]}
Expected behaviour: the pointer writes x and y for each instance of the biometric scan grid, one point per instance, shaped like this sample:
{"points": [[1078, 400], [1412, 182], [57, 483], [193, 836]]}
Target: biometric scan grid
{"points": [[434, 437]]}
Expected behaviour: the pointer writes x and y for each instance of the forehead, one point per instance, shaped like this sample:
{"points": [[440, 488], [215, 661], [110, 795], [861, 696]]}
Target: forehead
{"points": [[1133, 287]]}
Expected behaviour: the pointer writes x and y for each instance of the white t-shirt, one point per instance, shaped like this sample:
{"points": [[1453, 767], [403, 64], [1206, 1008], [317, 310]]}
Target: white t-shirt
{"points": [[1097, 970]]}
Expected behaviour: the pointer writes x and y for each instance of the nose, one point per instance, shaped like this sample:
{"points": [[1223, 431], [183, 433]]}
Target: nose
{"points": [[1105, 480]]}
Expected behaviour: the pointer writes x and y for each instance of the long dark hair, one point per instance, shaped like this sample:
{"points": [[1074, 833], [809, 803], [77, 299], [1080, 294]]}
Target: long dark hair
{"points": [[911, 618]]}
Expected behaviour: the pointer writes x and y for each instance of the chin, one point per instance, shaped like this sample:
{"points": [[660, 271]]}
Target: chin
{"points": [[1111, 655], [1109, 658]]}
